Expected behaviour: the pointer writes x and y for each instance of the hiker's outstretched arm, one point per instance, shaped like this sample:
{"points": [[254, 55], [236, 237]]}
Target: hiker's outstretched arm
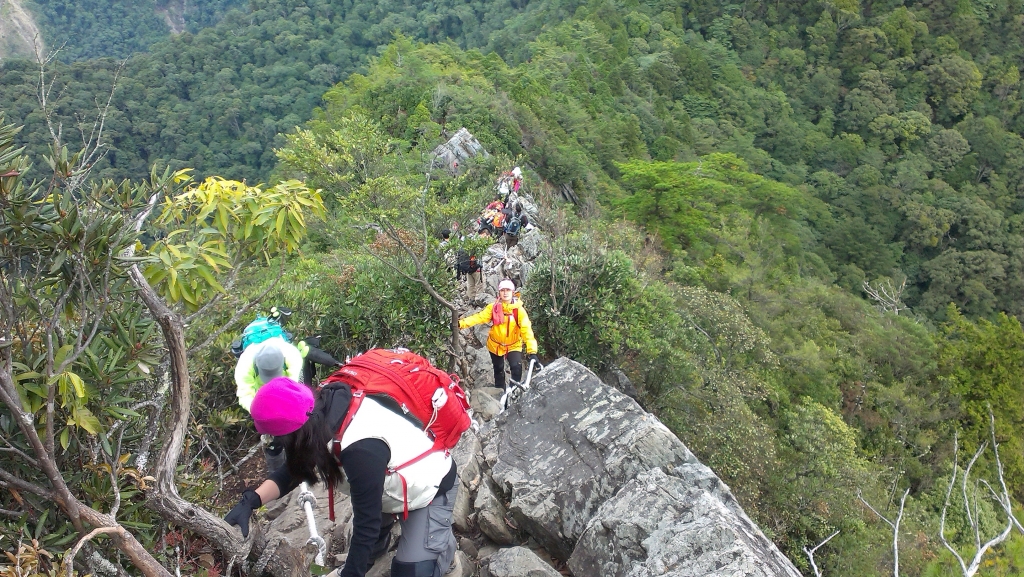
{"points": [[250, 501], [475, 319], [245, 377]]}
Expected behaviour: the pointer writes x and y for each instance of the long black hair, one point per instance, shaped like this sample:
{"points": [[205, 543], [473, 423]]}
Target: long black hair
{"points": [[309, 458]]}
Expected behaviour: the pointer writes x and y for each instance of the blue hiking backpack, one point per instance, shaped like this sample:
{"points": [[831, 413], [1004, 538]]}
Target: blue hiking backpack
{"points": [[513, 224]]}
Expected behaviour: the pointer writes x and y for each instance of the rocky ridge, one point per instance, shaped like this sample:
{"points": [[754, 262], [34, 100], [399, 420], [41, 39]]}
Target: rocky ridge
{"points": [[575, 478]]}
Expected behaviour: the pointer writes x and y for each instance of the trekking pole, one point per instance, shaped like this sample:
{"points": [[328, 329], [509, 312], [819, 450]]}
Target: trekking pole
{"points": [[308, 501], [516, 389], [529, 374]]}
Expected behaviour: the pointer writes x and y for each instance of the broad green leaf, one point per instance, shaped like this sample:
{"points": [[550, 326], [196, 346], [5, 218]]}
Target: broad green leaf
{"points": [[84, 418], [208, 277], [58, 262], [280, 222], [28, 375], [62, 353]]}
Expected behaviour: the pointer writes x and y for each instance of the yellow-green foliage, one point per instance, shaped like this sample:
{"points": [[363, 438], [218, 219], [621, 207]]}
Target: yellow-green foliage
{"points": [[219, 224]]}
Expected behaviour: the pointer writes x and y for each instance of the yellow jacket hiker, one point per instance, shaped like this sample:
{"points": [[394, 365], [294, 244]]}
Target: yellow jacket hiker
{"points": [[510, 330]]}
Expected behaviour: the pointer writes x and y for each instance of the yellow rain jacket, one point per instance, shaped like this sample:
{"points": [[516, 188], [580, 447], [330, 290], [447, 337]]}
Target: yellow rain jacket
{"points": [[509, 335]]}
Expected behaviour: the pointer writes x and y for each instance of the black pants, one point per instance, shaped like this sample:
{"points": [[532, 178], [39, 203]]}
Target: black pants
{"points": [[515, 365]]}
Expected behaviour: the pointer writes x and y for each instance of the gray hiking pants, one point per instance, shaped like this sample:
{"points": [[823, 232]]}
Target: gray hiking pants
{"points": [[427, 545]]}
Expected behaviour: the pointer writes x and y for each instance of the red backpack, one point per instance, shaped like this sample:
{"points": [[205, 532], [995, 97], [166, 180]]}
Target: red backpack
{"points": [[432, 397]]}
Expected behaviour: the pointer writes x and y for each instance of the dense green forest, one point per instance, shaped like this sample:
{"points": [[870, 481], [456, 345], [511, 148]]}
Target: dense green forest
{"points": [[904, 121], [118, 29], [217, 100], [749, 175]]}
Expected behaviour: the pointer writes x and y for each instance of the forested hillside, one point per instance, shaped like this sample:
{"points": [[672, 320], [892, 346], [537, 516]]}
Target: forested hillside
{"points": [[800, 227], [118, 29], [905, 121], [217, 100], [796, 390]]}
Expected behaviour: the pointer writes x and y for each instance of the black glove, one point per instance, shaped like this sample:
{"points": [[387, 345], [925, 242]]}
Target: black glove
{"points": [[535, 359], [240, 514]]}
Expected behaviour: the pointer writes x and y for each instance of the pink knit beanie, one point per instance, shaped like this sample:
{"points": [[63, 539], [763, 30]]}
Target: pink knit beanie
{"points": [[281, 406]]}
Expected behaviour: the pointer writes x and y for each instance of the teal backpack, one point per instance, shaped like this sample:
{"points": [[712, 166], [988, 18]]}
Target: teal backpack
{"points": [[260, 330]]}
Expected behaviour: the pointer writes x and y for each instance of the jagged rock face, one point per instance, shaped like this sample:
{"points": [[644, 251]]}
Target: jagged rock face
{"points": [[490, 515], [467, 459], [530, 244], [699, 529], [481, 372], [519, 562], [597, 480], [484, 402], [568, 446], [461, 146]]}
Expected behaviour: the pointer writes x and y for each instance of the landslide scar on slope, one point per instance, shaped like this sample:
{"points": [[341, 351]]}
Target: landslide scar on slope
{"points": [[19, 35]]}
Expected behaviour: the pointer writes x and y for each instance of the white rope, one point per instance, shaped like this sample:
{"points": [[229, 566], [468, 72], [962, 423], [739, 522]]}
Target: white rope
{"points": [[308, 501]]}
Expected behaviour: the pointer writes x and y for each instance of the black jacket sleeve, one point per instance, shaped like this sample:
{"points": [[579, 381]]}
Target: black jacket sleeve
{"points": [[365, 464], [283, 479]]}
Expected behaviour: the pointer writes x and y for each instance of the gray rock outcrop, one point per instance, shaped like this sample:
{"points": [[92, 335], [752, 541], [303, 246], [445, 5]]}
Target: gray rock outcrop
{"points": [[567, 446], [460, 147], [598, 481], [519, 562], [490, 515], [699, 530]]}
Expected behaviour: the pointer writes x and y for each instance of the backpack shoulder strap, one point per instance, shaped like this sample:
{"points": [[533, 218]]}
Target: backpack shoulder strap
{"points": [[353, 406]]}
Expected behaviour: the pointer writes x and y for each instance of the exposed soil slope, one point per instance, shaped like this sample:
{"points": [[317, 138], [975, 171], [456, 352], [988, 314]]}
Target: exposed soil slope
{"points": [[19, 35]]}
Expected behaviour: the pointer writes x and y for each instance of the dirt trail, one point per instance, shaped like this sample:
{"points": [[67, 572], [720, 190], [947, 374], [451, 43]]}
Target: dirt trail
{"points": [[19, 35]]}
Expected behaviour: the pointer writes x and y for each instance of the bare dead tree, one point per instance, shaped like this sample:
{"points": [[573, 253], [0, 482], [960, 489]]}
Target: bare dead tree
{"points": [[894, 525], [810, 553], [1003, 496], [887, 296], [90, 131], [969, 569]]}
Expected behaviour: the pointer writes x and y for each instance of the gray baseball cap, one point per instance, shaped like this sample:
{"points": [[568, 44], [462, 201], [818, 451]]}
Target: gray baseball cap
{"points": [[269, 362]]}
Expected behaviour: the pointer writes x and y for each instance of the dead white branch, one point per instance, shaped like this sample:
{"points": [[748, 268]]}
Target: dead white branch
{"points": [[810, 553], [971, 569], [887, 296], [894, 525]]}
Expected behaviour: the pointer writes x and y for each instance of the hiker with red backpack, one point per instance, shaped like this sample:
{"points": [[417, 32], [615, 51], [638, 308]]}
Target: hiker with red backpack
{"points": [[510, 331], [386, 422]]}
